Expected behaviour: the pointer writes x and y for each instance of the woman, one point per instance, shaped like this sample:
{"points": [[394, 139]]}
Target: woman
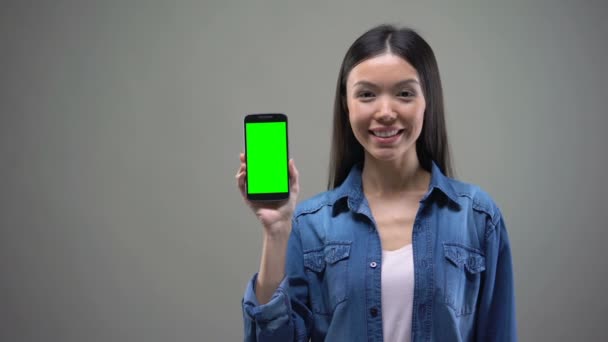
{"points": [[395, 250]]}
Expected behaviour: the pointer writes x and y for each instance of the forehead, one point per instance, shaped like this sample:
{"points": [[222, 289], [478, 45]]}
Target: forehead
{"points": [[385, 68]]}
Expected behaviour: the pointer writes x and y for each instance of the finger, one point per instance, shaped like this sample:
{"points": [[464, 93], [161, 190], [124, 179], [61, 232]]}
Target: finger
{"points": [[293, 171], [241, 183], [241, 174], [242, 169], [243, 166]]}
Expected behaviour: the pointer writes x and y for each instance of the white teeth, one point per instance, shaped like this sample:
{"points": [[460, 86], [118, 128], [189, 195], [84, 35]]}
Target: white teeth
{"points": [[385, 134]]}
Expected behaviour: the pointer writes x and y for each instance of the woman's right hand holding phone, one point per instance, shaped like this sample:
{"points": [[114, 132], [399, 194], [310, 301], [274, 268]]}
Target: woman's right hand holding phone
{"points": [[273, 215]]}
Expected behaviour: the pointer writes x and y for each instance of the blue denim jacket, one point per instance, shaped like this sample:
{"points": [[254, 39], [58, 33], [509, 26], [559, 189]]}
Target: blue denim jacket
{"points": [[463, 277]]}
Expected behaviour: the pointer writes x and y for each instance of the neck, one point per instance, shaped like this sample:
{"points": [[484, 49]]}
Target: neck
{"points": [[394, 177]]}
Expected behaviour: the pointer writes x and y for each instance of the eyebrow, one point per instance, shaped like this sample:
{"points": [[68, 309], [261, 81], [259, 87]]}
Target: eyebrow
{"points": [[397, 85]]}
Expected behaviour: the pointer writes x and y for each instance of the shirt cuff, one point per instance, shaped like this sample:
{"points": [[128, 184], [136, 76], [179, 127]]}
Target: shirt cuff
{"points": [[278, 307]]}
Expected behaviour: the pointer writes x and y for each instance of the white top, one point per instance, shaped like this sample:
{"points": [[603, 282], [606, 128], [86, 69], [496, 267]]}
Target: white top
{"points": [[397, 294]]}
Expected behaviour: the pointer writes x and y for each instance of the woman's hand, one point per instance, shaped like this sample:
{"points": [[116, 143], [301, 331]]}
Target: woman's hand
{"points": [[275, 216]]}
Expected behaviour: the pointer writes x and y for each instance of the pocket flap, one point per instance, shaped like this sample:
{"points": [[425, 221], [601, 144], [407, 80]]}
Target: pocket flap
{"points": [[314, 261], [336, 252], [472, 259]]}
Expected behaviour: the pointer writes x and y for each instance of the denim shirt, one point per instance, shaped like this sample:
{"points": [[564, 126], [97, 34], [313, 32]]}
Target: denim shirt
{"points": [[463, 277]]}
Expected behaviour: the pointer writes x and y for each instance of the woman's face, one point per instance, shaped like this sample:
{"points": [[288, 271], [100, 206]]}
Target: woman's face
{"points": [[385, 107]]}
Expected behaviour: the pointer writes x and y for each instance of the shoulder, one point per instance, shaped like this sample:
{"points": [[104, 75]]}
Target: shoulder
{"points": [[476, 218], [315, 203], [315, 221], [475, 198]]}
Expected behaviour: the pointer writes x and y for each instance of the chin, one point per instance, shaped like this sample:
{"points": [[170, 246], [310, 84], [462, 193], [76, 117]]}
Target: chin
{"points": [[385, 155], [398, 154]]}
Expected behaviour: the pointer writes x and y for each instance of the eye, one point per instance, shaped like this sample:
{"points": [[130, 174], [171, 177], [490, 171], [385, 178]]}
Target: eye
{"points": [[406, 94], [365, 94]]}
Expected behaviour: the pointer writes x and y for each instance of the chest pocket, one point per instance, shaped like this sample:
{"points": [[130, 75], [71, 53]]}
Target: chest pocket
{"points": [[463, 269], [327, 273]]}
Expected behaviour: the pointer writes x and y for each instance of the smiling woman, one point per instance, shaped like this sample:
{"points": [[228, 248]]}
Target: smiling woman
{"points": [[395, 249]]}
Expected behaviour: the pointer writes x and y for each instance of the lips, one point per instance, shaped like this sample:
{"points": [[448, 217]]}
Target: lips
{"points": [[386, 136], [386, 133]]}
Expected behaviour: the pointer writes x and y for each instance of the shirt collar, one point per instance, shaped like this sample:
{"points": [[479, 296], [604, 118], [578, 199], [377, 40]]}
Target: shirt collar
{"points": [[352, 187], [442, 183]]}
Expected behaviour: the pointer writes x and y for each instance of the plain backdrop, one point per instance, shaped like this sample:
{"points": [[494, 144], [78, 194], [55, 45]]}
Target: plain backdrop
{"points": [[121, 124]]}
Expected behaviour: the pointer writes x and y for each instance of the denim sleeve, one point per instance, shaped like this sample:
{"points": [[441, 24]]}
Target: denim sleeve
{"points": [[496, 314], [286, 317]]}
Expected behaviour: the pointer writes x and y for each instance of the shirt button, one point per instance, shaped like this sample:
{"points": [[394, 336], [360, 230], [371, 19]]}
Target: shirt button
{"points": [[373, 264], [373, 312]]}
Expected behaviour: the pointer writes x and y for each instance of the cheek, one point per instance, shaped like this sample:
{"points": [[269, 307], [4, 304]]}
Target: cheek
{"points": [[356, 123], [421, 116], [355, 107], [358, 113], [361, 112], [418, 113]]}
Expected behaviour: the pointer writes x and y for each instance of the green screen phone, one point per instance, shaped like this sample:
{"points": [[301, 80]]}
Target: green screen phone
{"points": [[266, 157]]}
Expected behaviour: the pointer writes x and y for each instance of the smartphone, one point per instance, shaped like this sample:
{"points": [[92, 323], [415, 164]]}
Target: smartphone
{"points": [[266, 157]]}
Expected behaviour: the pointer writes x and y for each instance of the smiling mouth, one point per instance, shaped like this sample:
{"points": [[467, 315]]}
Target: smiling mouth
{"points": [[386, 134]]}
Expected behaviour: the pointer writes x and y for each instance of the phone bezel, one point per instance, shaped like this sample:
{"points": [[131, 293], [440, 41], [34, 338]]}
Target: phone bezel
{"points": [[259, 118]]}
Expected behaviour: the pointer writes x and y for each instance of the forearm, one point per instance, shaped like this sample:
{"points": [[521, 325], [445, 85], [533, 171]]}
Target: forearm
{"points": [[272, 264], [273, 308]]}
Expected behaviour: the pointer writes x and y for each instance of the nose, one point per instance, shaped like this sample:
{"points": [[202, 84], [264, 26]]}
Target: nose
{"points": [[385, 111]]}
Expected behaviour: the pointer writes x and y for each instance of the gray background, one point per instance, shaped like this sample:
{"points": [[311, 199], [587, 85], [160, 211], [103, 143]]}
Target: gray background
{"points": [[121, 124]]}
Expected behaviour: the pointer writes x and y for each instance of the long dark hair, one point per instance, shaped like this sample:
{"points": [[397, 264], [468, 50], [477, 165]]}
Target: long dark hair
{"points": [[432, 145]]}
